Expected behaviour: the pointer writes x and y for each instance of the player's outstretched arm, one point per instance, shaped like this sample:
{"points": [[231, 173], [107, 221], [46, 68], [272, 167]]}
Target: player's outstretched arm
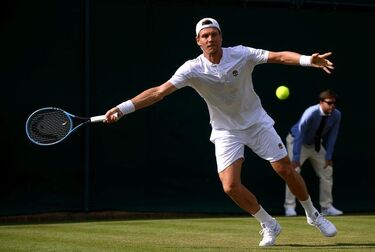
{"points": [[292, 58], [144, 99]]}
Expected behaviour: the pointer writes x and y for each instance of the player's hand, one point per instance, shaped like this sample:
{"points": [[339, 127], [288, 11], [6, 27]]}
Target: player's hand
{"points": [[321, 61], [113, 115]]}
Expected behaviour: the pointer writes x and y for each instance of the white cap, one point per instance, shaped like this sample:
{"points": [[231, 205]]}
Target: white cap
{"points": [[205, 23]]}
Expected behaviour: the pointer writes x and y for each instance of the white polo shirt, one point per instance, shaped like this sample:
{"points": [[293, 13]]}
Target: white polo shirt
{"points": [[227, 87]]}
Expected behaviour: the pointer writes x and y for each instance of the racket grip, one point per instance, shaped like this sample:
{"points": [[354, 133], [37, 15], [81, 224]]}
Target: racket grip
{"points": [[95, 119], [100, 118]]}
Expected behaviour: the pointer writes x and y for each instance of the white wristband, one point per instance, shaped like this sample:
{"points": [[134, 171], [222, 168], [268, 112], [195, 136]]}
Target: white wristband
{"points": [[305, 60], [126, 107]]}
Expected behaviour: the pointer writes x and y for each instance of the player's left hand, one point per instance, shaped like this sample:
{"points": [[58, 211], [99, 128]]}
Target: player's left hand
{"points": [[321, 61]]}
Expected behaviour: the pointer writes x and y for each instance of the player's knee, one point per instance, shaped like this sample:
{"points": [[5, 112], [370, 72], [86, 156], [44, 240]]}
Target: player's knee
{"points": [[231, 188], [285, 171], [283, 167]]}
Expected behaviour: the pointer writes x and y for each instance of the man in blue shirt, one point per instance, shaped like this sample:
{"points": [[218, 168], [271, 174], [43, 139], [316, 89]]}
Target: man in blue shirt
{"points": [[313, 137]]}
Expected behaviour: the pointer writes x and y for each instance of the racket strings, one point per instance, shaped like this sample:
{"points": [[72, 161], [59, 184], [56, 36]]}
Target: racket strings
{"points": [[49, 126]]}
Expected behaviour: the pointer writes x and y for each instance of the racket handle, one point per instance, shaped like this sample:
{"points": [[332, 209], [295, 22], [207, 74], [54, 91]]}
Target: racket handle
{"points": [[100, 118], [95, 119]]}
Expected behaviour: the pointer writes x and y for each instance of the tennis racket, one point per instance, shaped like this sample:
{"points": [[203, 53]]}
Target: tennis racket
{"points": [[48, 126]]}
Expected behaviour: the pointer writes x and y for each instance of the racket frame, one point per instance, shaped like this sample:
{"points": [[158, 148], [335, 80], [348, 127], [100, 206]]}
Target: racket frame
{"points": [[70, 116]]}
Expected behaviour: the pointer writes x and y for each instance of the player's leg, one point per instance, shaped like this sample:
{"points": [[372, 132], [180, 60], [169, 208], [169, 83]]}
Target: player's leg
{"points": [[229, 151], [267, 144], [272, 149], [292, 178], [231, 180], [297, 185]]}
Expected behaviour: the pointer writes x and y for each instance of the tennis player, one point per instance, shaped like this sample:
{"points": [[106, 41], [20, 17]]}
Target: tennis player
{"points": [[223, 77]]}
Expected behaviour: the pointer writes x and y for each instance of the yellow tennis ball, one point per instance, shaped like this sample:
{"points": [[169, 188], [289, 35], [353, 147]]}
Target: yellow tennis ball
{"points": [[282, 92]]}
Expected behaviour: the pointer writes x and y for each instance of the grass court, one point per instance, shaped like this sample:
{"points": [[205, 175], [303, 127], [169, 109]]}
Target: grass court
{"points": [[355, 233]]}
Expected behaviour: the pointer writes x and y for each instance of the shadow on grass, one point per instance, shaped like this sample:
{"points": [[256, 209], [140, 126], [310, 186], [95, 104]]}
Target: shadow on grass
{"points": [[333, 246]]}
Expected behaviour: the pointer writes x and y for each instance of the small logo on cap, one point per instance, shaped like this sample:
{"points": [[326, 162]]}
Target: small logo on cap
{"points": [[235, 73]]}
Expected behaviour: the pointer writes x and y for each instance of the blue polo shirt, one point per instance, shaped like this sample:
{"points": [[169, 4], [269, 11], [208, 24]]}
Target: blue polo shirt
{"points": [[304, 130]]}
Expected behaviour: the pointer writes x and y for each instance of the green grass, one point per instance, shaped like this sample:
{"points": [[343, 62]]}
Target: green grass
{"points": [[355, 233]]}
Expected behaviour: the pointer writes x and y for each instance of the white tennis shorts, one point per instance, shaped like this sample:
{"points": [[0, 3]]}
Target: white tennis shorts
{"points": [[262, 140]]}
